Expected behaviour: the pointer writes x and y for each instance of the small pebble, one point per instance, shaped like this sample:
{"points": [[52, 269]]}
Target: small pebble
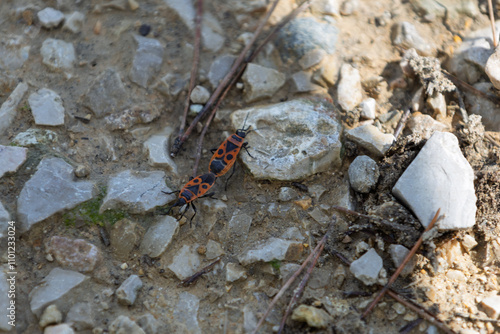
{"points": [[124, 266], [202, 250], [144, 29]]}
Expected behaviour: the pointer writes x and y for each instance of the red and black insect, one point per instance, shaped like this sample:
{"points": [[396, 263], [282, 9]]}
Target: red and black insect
{"points": [[225, 156], [195, 188]]}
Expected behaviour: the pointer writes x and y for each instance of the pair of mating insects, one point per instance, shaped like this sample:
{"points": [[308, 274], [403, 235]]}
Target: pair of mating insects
{"points": [[222, 161]]}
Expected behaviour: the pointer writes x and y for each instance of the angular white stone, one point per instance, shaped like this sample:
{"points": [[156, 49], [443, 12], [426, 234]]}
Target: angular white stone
{"points": [[368, 108], [367, 267], [266, 250], [127, 292], [186, 313], [46, 107], [439, 178], [349, 91], [74, 22], [398, 253], [363, 174], [53, 287], [371, 138], [159, 236], [8, 108], [57, 54], [11, 157], [137, 192], [157, 146], [51, 189], [291, 140], [261, 82], [492, 306], [234, 272], [147, 60], [186, 262], [50, 17]]}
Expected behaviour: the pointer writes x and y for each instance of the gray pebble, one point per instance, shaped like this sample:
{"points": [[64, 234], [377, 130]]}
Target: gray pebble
{"points": [[12, 158], [261, 82], [200, 95], [406, 35], [46, 107], [74, 22], [368, 108], [81, 316], [8, 109], [159, 236], [371, 139], [287, 194], [349, 89], [185, 262], [50, 17], [147, 60], [58, 55], [363, 174], [367, 267], [106, 94], [127, 292]]}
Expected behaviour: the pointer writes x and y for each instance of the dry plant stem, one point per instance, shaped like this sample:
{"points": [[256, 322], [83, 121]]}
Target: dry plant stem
{"points": [[294, 276], [492, 21], [193, 278], [378, 220], [412, 306], [465, 86], [491, 139], [401, 124], [215, 95], [401, 267], [196, 60], [300, 289]]}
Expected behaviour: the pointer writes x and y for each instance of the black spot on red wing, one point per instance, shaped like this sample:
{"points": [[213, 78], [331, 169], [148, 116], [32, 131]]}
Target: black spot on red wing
{"points": [[230, 157], [220, 152], [196, 181], [204, 186]]}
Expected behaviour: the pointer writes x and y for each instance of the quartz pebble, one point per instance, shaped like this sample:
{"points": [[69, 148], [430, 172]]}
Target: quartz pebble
{"points": [[368, 108], [200, 95], [439, 178], [74, 22], [12, 158], [371, 138], [76, 254], [47, 108], [51, 315], [127, 292], [8, 108], [266, 250], [80, 315], [314, 317], [234, 272], [398, 253], [261, 82], [159, 236], [147, 60], [50, 17], [157, 146], [363, 174], [349, 90], [185, 262], [123, 324], [367, 267], [51, 189], [58, 55]]}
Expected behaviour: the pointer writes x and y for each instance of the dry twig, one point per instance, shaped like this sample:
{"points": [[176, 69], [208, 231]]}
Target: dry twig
{"points": [[193, 278], [492, 22], [401, 267], [179, 141], [375, 219], [194, 68], [319, 246], [401, 124], [431, 318], [300, 289]]}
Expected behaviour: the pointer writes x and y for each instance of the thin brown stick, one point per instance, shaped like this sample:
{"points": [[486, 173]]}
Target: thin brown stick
{"points": [[401, 267], [401, 124], [465, 86], [491, 139], [423, 313], [193, 278], [492, 22], [300, 289], [294, 276], [196, 60], [375, 219], [179, 141]]}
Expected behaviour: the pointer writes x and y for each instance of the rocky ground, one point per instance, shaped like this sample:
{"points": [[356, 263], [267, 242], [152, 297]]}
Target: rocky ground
{"points": [[91, 98]]}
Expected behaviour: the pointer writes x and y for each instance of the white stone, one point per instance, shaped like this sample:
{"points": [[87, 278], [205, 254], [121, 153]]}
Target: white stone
{"points": [[123, 324], [438, 104], [363, 174], [74, 22], [301, 138], [147, 60], [367, 267], [265, 251], [136, 191], [261, 82], [234, 272], [8, 108], [51, 315], [159, 236], [158, 146], [127, 292], [349, 91], [186, 262], [54, 286], [312, 58], [468, 242], [214, 250], [46, 107], [368, 108], [12, 158], [492, 306], [50, 17], [371, 138], [398, 253], [59, 329], [58, 55], [186, 313], [439, 178], [200, 95]]}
